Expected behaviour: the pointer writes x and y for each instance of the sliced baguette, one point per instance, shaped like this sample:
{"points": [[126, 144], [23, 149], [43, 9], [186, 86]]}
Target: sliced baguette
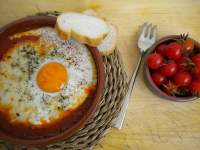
{"points": [[108, 44], [83, 28]]}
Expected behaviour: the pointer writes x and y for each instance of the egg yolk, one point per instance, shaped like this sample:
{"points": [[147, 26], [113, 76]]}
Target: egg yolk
{"points": [[52, 77]]}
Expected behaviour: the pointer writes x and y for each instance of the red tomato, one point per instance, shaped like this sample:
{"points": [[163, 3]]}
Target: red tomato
{"points": [[154, 61], [196, 58], [196, 71], [173, 51], [188, 45], [182, 78], [169, 69], [195, 87], [158, 78], [183, 63], [196, 61], [160, 49], [196, 77]]}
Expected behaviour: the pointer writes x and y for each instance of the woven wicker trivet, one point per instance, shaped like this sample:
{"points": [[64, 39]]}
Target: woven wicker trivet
{"points": [[109, 107]]}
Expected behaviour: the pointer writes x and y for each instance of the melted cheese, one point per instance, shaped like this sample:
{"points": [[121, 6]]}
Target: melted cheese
{"points": [[21, 97]]}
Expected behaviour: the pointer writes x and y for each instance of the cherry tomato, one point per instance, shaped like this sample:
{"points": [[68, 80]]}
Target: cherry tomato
{"points": [[195, 87], [183, 63], [196, 70], [196, 77], [160, 49], [196, 61], [188, 45], [173, 51], [182, 78], [196, 58], [154, 61], [169, 69], [158, 78]]}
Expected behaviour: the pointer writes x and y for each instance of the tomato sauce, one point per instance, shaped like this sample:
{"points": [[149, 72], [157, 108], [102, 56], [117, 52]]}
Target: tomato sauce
{"points": [[28, 131]]}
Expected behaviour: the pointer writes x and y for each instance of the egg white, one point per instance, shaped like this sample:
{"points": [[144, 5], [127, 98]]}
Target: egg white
{"points": [[43, 106]]}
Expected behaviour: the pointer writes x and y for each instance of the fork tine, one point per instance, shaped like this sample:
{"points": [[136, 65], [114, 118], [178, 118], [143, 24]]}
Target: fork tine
{"points": [[149, 28], [143, 29]]}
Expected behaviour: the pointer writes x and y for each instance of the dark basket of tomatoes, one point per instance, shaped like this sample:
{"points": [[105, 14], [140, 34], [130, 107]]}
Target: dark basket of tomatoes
{"points": [[172, 68]]}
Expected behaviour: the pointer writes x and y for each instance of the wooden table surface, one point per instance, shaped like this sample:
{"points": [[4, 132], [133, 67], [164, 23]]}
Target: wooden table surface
{"points": [[151, 123]]}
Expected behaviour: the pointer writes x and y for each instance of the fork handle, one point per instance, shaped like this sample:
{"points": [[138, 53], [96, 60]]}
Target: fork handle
{"points": [[118, 122], [134, 75]]}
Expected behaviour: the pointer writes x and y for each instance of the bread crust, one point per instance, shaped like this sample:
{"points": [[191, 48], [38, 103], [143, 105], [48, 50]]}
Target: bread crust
{"points": [[111, 48], [103, 47]]}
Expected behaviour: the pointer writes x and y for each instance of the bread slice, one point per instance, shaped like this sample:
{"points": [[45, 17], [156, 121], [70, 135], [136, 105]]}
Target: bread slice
{"points": [[83, 28], [108, 44]]}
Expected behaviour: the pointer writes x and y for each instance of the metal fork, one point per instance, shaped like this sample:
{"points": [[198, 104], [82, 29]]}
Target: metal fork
{"points": [[146, 39]]}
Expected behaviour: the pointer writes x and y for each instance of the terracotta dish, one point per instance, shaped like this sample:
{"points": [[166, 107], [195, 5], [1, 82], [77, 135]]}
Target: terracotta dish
{"points": [[20, 134]]}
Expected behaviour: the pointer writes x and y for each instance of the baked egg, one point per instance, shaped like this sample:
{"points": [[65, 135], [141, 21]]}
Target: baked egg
{"points": [[43, 77]]}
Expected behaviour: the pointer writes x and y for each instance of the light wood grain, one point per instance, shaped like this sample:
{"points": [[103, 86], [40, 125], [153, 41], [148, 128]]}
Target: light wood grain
{"points": [[151, 123]]}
